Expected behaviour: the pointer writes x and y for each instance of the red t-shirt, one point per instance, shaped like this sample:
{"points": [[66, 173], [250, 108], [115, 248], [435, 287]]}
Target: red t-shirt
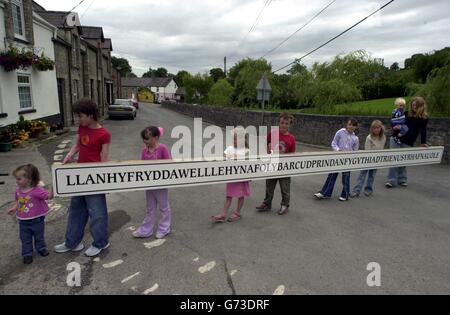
{"points": [[286, 143], [91, 142]]}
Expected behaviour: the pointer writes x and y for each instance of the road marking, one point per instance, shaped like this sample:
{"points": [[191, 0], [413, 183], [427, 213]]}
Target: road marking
{"points": [[113, 264], [62, 146], [57, 158], [280, 290], [233, 272], [208, 267], [66, 141], [196, 259], [130, 277], [156, 243], [59, 151], [152, 289], [54, 206]]}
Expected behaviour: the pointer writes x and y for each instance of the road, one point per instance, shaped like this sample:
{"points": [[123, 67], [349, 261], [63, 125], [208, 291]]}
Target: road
{"points": [[319, 247]]}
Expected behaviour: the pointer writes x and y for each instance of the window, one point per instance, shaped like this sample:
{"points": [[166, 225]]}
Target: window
{"points": [[18, 18], [24, 92]]}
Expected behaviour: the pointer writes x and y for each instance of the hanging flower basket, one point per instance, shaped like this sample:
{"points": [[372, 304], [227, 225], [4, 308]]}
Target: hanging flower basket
{"points": [[14, 59]]}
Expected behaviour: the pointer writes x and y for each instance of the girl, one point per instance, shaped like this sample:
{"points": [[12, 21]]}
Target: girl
{"points": [[155, 151], [344, 140], [417, 121], [375, 141], [30, 209], [235, 190]]}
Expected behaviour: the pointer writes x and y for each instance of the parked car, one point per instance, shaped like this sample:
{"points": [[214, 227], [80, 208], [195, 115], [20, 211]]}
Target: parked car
{"points": [[135, 103], [122, 108]]}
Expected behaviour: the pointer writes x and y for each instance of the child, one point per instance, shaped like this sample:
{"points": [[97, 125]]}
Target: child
{"points": [[344, 140], [31, 208], [286, 144], [92, 144], [155, 151], [239, 190], [399, 119], [375, 141]]}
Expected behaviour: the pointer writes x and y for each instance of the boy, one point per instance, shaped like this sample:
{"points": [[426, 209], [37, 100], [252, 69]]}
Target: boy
{"points": [[92, 144], [399, 119], [286, 144]]}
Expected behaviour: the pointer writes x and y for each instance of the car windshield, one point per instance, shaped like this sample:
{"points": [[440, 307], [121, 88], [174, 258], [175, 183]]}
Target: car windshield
{"points": [[122, 102]]}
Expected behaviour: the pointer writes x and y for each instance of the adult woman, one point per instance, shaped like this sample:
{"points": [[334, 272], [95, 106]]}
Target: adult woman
{"points": [[417, 121]]}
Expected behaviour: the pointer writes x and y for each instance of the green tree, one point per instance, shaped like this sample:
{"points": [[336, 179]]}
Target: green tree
{"points": [[197, 87], [158, 73], [221, 93], [437, 92], [217, 74], [123, 66], [395, 66], [247, 80], [179, 77]]}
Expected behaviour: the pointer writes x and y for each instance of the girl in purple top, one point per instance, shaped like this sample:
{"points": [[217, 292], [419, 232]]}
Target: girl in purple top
{"points": [[155, 151], [30, 209], [344, 140]]}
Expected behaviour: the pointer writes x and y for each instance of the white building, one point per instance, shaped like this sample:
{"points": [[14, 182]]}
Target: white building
{"points": [[164, 89], [28, 92]]}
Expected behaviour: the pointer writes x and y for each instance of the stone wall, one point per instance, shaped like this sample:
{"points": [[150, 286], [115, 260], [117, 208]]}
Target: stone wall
{"points": [[310, 129]]}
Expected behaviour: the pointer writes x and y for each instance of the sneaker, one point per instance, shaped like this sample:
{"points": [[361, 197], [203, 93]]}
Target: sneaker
{"points": [[368, 193], [320, 196], [27, 260], [343, 199], [160, 236], [137, 235], [354, 195], [283, 210], [404, 184], [263, 207], [94, 251], [389, 185], [62, 248], [43, 253]]}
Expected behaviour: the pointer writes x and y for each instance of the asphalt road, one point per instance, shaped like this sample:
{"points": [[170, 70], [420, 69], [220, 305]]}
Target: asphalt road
{"points": [[319, 247]]}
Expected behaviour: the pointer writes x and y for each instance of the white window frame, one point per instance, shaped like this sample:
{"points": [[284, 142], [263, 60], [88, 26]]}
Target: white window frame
{"points": [[18, 3], [25, 85]]}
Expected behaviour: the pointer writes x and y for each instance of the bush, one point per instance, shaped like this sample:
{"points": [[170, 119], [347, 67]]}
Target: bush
{"points": [[437, 92], [221, 93], [329, 93]]}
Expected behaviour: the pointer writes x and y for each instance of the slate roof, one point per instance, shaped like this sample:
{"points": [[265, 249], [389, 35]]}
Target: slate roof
{"points": [[146, 82]]}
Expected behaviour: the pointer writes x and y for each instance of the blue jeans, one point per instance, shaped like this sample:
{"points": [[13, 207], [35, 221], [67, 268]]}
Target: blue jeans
{"points": [[29, 229], [84, 208], [397, 175], [327, 189], [362, 178]]}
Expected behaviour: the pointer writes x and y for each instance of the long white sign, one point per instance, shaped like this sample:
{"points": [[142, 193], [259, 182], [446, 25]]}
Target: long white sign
{"points": [[100, 178]]}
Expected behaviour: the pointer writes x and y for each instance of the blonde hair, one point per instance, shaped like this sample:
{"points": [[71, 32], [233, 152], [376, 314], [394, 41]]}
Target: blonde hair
{"points": [[400, 101], [377, 123], [421, 108]]}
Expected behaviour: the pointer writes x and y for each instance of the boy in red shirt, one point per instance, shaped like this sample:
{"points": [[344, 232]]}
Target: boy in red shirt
{"points": [[286, 144], [92, 144]]}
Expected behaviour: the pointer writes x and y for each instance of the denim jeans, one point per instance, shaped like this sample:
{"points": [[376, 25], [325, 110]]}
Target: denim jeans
{"points": [[32, 229], [327, 189], [84, 208], [397, 175], [362, 178], [285, 187]]}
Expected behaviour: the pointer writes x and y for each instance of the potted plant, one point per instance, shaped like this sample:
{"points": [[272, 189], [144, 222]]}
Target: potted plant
{"points": [[13, 59], [6, 139]]}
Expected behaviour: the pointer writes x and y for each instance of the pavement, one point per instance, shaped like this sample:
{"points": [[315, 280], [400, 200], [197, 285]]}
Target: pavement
{"points": [[319, 247]]}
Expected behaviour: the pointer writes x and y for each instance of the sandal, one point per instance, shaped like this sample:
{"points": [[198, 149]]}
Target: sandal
{"points": [[234, 217], [218, 218]]}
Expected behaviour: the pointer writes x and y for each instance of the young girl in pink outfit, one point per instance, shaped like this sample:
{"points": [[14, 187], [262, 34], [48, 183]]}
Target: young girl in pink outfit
{"points": [[239, 190], [155, 151], [30, 209]]}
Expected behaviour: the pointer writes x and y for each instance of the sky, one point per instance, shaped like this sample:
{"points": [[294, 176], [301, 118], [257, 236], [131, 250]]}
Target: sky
{"points": [[196, 35]]}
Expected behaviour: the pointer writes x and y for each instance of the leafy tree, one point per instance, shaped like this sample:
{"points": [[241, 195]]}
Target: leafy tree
{"points": [[123, 66], [221, 93], [158, 73], [395, 66], [197, 87], [179, 77], [436, 91], [217, 74]]}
